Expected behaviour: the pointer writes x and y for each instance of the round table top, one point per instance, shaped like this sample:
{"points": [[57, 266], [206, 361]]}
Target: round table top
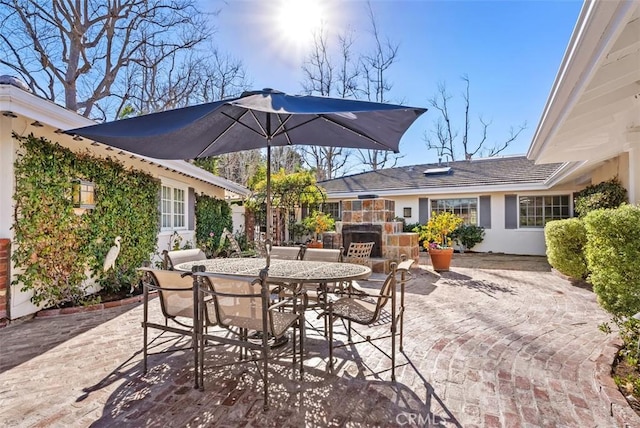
{"points": [[283, 270]]}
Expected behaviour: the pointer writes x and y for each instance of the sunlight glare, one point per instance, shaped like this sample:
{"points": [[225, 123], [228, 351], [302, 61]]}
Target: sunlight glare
{"points": [[299, 19]]}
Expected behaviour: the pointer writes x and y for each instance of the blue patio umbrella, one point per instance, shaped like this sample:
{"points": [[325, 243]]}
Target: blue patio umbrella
{"points": [[257, 119]]}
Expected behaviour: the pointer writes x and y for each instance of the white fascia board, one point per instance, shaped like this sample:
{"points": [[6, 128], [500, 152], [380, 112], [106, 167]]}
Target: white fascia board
{"points": [[565, 170], [28, 105], [597, 28], [513, 188]]}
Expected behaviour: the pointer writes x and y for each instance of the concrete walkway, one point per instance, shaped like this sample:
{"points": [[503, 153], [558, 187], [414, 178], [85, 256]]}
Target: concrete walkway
{"points": [[498, 341]]}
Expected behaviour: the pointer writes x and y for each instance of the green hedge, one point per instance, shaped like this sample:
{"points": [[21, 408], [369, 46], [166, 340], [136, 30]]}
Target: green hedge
{"points": [[565, 240], [55, 247], [613, 258]]}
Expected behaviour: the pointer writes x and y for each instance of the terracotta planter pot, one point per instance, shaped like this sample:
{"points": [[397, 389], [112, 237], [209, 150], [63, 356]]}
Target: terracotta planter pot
{"points": [[441, 259], [314, 244]]}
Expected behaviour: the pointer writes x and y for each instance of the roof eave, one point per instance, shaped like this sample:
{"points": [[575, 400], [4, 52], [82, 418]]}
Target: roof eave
{"points": [[28, 105], [596, 30]]}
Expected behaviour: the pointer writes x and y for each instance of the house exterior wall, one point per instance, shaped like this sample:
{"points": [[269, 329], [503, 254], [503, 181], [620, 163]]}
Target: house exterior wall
{"points": [[614, 167], [634, 175], [498, 238], [19, 303]]}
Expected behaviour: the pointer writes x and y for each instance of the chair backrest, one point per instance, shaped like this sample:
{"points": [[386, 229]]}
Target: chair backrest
{"points": [[359, 252], [242, 302], [175, 291], [233, 243], [173, 258], [323, 254], [286, 253], [386, 292]]}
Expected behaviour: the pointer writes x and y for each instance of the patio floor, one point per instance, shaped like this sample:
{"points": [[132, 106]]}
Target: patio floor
{"points": [[498, 341]]}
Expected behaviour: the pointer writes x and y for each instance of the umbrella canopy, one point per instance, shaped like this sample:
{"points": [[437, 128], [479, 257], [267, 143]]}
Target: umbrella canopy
{"points": [[257, 119]]}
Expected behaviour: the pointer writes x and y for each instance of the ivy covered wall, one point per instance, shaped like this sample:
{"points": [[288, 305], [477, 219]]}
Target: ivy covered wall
{"points": [[55, 248]]}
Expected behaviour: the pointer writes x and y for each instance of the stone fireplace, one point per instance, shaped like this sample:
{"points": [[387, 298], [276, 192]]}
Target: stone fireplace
{"points": [[363, 232], [373, 220]]}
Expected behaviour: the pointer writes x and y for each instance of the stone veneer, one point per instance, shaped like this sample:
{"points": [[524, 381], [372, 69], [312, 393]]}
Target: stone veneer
{"points": [[395, 242]]}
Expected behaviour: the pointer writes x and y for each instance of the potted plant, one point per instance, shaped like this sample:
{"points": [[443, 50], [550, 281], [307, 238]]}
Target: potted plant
{"points": [[436, 238], [318, 222]]}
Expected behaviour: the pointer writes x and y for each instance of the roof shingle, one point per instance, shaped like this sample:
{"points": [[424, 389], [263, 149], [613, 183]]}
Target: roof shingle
{"points": [[476, 172]]}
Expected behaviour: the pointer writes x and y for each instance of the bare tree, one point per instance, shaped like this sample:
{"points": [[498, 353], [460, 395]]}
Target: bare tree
{"points": [[376, 65], [239, 166], [324, 76], [444, 137], [80, 48]]}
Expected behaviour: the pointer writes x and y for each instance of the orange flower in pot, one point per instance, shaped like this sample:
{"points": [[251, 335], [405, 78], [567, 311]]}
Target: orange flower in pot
{"points": [[318, 222]]}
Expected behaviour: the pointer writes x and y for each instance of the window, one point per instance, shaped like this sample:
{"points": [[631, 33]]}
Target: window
{"points": [[332, 208], [467, 208], [406, 212], [536, 211], [172, 208]]}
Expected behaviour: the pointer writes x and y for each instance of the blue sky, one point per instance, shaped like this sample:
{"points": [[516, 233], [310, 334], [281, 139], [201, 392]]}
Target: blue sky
{"points": [[510, 50]]}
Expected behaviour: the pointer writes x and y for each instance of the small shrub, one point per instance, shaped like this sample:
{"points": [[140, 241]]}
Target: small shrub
{"points": [[608, 194], [613, 258], [410, 227], [468, 235], [565, 240]]}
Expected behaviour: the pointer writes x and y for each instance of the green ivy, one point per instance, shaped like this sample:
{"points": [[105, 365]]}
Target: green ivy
{"points": [[55, 247], [212, 216]]}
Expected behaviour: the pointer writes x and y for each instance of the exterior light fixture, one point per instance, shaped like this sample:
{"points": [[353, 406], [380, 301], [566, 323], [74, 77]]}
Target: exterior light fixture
{"points": [[37, 124], [83, 194], [78, 138], [9, 114]]}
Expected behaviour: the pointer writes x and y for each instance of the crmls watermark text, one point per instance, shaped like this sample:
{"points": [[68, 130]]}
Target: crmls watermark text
{"points": [[416, 420]]}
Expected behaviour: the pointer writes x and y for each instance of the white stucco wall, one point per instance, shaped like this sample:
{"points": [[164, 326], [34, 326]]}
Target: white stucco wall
{"points": [[28, 109], [498, 239]]}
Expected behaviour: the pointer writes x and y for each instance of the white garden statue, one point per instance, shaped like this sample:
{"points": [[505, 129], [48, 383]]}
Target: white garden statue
{"points": [[112, 255]]}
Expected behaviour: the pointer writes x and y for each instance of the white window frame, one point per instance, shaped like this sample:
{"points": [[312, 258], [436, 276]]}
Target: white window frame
{"points": [[174, 188], [544, 221], [476, 198], [339, 205]]}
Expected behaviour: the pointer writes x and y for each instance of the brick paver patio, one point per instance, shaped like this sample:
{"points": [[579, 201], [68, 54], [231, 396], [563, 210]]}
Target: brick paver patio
{"points": [[498, 341]]}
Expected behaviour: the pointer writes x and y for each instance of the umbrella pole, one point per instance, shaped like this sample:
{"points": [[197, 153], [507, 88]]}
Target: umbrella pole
{"points": [[269, 215]]}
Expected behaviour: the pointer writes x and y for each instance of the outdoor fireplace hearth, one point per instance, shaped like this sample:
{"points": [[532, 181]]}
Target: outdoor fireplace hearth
{"points": [[363, 232], [373, 220]]}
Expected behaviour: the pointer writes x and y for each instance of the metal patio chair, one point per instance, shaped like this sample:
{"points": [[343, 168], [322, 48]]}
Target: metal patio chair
{"points": [[359, 253], [366, 309], [175, 291], [243, 306]]}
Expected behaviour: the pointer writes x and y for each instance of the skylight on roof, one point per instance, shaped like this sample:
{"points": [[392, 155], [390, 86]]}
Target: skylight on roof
{"points": [[439, 170]]}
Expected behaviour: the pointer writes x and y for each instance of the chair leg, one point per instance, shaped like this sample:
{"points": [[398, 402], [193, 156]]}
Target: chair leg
{"points": [[330, 342], [265, 367], [145, 317], [301, 327], [393, 351]]}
